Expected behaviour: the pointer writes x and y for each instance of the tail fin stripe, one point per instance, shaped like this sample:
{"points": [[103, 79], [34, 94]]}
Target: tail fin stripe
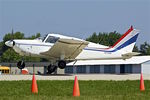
{"points": [[123, 36], [130, 41]]}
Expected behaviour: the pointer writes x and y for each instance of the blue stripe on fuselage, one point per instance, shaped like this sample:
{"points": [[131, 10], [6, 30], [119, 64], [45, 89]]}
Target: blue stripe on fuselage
{"points": [[130, 41]]}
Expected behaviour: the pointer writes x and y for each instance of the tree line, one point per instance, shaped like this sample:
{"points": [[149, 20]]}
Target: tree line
{"points": [[7, 54]]}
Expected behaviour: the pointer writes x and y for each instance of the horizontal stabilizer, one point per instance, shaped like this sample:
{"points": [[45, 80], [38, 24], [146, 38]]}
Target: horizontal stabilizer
{"points": [[129, 55]]}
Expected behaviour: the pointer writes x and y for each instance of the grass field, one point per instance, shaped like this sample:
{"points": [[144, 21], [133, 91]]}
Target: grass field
{"points": [[62, 90]]}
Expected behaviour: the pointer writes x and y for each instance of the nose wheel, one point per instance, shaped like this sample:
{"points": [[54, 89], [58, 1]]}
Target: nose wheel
{"points": [[21, 64]]}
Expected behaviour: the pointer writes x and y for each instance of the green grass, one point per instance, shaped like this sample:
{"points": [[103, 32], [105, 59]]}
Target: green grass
{"points": [[62, 90]]}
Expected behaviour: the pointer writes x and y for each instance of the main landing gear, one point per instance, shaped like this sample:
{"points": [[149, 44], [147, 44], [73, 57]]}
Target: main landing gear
{"points": [[61, 64], [50, 69]]}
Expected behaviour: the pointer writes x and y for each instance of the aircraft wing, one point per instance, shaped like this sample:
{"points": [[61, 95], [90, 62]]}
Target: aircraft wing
{"points": [[69, 48]]}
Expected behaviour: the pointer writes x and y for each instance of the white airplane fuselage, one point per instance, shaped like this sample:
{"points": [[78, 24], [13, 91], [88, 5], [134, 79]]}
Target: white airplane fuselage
{"points": [[59, 49], [35, 47]]}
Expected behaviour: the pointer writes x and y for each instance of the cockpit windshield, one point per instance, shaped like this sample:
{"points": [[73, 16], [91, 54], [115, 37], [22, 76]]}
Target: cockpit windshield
{"points": [[51, 39], [44, 38]]}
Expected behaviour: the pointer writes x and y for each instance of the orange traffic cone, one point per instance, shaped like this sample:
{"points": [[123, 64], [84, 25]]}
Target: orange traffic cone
{"points": [[24, 71], [142, 88], [34, 88], [76, 91]]}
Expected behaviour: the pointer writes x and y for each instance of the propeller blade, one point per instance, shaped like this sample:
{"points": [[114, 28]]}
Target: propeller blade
{"points": [[12, 35], [13, 43]]}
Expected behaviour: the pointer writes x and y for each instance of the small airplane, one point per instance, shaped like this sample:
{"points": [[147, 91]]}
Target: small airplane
{"points": [[60, 49]]}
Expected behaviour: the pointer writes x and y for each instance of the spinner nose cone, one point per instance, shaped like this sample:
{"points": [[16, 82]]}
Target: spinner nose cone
{"points": [[9, 43]]}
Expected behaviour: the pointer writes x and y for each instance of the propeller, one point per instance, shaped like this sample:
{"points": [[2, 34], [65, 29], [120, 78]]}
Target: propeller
{"points": [[12, 35], [11, 42]]}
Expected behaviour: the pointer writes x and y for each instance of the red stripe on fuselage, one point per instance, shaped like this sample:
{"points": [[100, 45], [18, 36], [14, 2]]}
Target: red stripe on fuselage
{"points": [[124, 35]]}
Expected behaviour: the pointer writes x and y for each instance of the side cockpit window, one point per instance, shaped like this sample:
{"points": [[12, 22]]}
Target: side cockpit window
{"points": [[51, 39]]}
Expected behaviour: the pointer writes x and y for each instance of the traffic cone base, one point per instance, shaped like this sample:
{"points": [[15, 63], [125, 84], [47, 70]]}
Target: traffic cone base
{"points": [[76, 91], [142, 87], [34, 88]]}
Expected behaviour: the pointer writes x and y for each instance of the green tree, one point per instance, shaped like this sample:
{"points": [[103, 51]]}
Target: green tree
{"points": [[10, 56], [16, 35], [1, 46], [113, 37], [93, 38], [31, 59], [35, 36], [136, 49], [104, 38], [145, 48]]}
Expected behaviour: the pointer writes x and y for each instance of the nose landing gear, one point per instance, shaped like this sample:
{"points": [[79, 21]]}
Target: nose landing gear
{"points": [[21, 64]]}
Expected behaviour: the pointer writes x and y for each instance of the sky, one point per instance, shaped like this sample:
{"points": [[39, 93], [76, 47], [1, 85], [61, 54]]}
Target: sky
{"points": [[77, 18]]}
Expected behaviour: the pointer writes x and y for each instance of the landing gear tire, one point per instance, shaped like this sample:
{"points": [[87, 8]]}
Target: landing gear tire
{"points": [[61, 64], [51, 69], [21, 64]]}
